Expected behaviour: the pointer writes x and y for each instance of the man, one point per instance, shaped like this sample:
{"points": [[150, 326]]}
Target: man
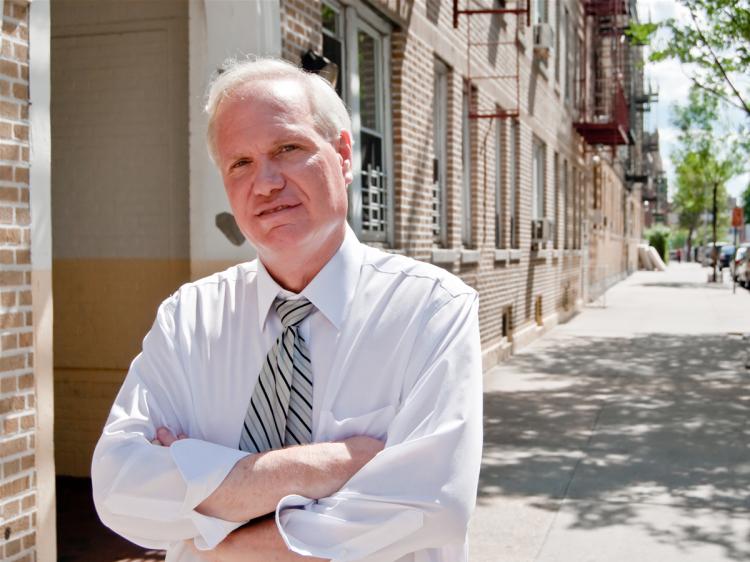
{"points": [[323, 401]]}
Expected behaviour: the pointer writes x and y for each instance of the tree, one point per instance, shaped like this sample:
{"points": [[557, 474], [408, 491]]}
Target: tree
{"points": [[704, 163], [715, 44], [746, 204]]}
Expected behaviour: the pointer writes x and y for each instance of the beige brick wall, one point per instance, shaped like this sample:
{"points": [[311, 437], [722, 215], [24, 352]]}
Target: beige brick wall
{"points": [[556, 278], [17, 393]]}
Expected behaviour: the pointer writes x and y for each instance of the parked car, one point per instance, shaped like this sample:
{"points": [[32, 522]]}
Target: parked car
{"points": [[707, 252], [741, 270], [739, 256], [726, 253]]}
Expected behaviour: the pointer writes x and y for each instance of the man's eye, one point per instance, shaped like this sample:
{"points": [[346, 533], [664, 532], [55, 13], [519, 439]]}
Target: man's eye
{"points": [[288, 148], [239, 163]]}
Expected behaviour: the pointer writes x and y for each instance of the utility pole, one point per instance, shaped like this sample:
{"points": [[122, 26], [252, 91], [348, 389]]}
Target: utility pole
{"points": [[714, 253]]}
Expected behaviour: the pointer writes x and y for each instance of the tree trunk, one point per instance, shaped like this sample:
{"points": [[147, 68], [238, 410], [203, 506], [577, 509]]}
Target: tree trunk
{"points": [[714, 252], [689, 241]]}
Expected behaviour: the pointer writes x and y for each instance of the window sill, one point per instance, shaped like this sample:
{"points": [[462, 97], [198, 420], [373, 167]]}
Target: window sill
{"points": [[470, 256], [515, 255], [542, 254], [502, 255], [444, 256]]}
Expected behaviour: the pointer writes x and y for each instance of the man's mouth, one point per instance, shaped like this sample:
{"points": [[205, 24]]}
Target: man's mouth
{"points": [[276, 209]]}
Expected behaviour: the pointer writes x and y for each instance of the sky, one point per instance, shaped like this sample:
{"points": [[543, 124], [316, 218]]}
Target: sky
{"points": [[673, 85]]}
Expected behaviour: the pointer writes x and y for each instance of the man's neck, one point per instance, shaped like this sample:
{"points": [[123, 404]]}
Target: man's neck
{"points": [[294, 271]]}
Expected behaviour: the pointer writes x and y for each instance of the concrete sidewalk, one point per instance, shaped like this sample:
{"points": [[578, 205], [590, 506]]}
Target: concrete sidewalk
{"points": [[623, 435]]}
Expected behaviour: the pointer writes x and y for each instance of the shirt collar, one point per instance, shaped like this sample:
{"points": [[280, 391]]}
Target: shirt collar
{"points": [[331, 290]]}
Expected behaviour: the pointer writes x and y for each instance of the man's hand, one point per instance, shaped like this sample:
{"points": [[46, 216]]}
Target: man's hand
{"points": [[165, 437]]}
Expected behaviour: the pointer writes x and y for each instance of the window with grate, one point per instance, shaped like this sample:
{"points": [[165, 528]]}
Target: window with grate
{"points": [[358, 42], [499, 226], [537, 180], [439, 144], [466, 158], [515, 139]]}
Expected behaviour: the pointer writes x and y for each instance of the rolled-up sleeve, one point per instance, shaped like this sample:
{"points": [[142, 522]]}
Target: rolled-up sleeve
{"points": [[148, 493], [419, 492]]}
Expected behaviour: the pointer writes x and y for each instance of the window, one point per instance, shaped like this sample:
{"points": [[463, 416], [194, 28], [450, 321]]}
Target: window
{"points": [[575, 211], [507, 327], [540, 11], [558, 39], [513, 173], [581, 189], [499, 235], [564, 67], [466, 223], [555, 199], [439, 143], [333, 41], [569, 56], [359, 42], [566, 205], [537, 180]]}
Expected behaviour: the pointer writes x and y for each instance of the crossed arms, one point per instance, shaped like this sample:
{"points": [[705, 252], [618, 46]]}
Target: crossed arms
{"points": [[256, 484], [330, 502]]}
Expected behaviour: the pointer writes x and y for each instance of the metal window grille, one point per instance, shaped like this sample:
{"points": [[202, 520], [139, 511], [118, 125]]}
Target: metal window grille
{"points": [[374, 200]]}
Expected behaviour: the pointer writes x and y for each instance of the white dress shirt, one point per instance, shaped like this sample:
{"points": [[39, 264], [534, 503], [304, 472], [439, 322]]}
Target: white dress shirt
{"points": [[395, 355]]}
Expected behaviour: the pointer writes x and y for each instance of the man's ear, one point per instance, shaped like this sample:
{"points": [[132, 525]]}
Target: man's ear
{"points": [[344, 150]]}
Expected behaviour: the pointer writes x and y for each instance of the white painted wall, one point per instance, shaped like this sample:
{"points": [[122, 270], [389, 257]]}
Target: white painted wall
{"points": [[218, 30]]}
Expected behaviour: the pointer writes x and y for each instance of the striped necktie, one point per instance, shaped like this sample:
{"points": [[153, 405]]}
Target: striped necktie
{"points": [[280, 409]]}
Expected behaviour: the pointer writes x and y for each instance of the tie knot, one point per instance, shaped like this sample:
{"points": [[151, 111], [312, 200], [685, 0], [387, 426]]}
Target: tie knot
{"points": [[292, 312]]}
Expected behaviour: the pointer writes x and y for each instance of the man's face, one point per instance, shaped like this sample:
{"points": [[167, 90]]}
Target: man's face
{"points": [[285, 182]]}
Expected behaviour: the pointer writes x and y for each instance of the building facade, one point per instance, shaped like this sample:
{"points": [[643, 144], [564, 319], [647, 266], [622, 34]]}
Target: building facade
{"points": [[502, 143]]}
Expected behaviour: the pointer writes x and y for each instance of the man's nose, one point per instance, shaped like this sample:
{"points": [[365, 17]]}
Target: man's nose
{"points": [[268, 178]]}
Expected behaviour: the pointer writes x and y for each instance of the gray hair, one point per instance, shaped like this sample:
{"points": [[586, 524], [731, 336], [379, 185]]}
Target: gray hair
{"points": [[328, 111]]}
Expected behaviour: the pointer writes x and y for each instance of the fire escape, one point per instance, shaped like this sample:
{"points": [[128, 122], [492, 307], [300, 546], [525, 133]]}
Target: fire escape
{"points": [[603, 114], [518, 9]]}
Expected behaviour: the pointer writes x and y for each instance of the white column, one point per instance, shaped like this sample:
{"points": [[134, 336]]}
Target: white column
{"points": [[41, 276], [219, 29]]}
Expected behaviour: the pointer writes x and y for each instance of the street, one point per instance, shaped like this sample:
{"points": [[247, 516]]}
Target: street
{"points": [[623, 435]]}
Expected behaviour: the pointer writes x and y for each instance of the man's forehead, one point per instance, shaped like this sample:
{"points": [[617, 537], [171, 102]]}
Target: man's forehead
{"points": [[283, 93]]}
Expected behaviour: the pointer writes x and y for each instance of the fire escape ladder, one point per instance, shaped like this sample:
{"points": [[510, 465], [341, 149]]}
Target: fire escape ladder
{"points": [[603, 117], [517, 10]]}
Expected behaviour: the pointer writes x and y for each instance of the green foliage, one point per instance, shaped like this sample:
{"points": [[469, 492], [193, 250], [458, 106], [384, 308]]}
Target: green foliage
{"points": [[658, 237], [640, 33], [716, 45], [746, 203], [678, 238]]}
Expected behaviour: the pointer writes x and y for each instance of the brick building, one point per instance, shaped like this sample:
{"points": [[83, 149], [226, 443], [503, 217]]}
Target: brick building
{"points": [[504, 147]]}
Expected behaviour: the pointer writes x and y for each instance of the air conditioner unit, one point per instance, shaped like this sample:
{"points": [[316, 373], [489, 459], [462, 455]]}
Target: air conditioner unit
{"points": [[541, 231], [544, 39]]}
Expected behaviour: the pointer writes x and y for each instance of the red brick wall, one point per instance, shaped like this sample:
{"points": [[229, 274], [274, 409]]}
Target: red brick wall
{"points": [[300, 28], [555, 276], [17, 394]]}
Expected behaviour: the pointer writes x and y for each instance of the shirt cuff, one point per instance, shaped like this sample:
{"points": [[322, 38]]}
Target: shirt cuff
{"points": [[203, 467], [341, 532]]}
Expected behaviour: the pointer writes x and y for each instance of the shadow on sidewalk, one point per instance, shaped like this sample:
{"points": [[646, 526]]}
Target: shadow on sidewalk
{"points": [[615, 422]]}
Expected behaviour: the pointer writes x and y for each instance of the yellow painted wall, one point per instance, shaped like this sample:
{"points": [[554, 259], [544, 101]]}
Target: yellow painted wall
{"points": [[103, 308]]}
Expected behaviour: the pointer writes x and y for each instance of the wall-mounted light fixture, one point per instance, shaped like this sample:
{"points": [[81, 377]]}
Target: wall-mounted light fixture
{"points": [[313, 62], [228, 226]]}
